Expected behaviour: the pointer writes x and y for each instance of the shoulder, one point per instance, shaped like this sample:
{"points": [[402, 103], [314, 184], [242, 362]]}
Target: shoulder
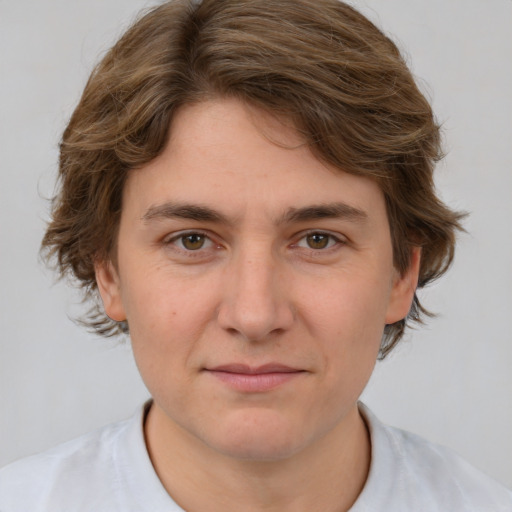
{"points": [[409, 470], [79, 471], [435, 470]]}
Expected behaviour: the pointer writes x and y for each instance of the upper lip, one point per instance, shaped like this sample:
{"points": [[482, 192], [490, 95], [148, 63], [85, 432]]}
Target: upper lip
{"points": [[253, 370]]}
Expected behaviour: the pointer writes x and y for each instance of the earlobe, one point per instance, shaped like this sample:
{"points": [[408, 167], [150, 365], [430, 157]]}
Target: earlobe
{"points": [[403, 290], [108, 283]]}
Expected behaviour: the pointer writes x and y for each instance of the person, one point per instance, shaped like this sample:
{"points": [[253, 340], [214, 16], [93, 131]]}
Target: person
{"points": [[248, 187]]}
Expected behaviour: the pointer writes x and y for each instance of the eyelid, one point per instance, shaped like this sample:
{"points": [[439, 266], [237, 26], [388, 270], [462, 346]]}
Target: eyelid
{"points": [[336, 237], [172, 238]]}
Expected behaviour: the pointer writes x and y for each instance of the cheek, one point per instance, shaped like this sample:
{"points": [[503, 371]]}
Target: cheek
{"points": [[158, 296], [348, 319], [349, 303], [165, 331], [166, 318]]}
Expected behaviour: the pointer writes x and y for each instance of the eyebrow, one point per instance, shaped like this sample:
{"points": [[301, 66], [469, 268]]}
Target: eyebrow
{"points": [[324, 211], [201, 213], [184, 211]]}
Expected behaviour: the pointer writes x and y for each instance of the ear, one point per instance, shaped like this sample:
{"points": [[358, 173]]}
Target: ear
{"points": [[404, 287], [109, 287]]}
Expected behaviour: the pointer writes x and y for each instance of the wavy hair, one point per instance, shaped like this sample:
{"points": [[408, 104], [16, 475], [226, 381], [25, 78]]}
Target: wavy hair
{"points": [[322, 64]]}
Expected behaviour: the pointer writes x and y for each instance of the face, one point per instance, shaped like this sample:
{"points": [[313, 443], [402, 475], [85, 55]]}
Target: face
{"points": [[256, 282]]}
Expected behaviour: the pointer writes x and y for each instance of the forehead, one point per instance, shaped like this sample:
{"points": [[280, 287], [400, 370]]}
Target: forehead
{"points": [[235, 158]]}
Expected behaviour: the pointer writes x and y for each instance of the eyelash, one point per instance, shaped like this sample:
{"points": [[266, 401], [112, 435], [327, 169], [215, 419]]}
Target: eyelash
{"points": [[176, 240], [333, 240], [179, 237]]}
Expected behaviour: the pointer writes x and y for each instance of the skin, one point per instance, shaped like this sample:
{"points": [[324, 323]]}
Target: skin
{"points": [[237, 246]]}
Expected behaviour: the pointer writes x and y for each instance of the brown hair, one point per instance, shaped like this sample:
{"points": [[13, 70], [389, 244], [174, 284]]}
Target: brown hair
{"points": [[320, 63]]}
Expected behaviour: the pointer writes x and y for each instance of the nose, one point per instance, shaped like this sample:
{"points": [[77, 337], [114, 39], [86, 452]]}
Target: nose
{"points": [[255, 304]]}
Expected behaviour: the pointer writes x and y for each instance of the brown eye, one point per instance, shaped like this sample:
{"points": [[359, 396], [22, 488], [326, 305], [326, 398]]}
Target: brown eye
{"points": [[193, 242], [317, 241]]}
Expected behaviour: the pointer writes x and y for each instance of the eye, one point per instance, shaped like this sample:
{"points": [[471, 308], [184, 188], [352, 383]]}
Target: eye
{"points": [[190, 242], [193, 241], [318, 241]]}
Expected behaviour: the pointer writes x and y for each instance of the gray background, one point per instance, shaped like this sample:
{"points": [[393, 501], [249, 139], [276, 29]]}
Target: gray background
{"points": [[450, 382]]}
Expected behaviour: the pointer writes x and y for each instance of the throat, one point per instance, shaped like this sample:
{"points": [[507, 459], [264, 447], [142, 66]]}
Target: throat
{"points": [[327, 475]]}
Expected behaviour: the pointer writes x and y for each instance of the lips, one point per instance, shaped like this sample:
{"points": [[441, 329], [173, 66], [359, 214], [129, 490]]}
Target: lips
{"points": [[248, 370], [250, 379]]}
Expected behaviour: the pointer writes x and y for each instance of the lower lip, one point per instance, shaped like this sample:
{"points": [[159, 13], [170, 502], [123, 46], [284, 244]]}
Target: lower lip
{"points": [[255, 383]]}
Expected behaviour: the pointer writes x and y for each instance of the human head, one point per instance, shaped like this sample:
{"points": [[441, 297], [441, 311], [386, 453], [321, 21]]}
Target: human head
{"points": [[318, 63]]}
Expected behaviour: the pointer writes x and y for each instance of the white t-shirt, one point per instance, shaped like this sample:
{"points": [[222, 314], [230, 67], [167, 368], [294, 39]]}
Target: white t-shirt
{"points": [[109, 470]]}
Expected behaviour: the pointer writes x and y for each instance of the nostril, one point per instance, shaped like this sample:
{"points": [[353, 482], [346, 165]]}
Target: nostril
{"points": [[232, 331]]}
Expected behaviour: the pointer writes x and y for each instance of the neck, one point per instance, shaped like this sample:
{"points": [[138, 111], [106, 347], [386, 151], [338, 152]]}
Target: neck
{"points": [[328, 475]]}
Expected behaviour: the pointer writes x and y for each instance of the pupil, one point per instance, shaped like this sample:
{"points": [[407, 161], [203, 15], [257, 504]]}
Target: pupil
{"points": [[193, 242], [318, 241]]}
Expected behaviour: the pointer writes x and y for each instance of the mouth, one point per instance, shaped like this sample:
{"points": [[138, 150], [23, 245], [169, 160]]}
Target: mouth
{"points": [[254, 379]]}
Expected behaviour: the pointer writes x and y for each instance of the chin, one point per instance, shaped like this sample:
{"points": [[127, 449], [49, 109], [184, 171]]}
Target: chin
{"points": [[257, 438]]}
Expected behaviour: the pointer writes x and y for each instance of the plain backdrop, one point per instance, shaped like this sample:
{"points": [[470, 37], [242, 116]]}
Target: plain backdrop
{"points": [[450, 381]]}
